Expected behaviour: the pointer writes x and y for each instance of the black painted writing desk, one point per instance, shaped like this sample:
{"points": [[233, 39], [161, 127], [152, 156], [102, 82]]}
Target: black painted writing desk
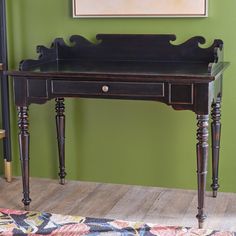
{"points": [[144, 67]]}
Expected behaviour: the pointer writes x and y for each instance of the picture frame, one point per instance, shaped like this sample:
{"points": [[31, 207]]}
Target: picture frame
{"points": [[139, 8]]}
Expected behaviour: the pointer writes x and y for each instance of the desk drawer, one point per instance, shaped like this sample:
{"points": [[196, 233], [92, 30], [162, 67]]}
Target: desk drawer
{"points": [[60, 87]]}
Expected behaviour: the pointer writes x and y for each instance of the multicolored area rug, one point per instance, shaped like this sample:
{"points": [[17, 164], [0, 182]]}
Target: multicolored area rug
{"points": [[22, 223]]}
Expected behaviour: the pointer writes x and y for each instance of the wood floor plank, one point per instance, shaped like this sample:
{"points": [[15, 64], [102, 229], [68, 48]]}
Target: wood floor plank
{"points": [[100, 200], [215, 209], [135, 203], [148, 204], [170, 207], [228, 220], [64, 198], [10, 196]]}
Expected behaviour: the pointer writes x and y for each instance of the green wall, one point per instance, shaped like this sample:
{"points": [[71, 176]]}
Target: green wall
{"points": [[133, 142]]}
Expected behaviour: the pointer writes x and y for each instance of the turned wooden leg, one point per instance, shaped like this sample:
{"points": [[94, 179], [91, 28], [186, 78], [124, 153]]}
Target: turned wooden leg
{"points": [[60, 123], [23, 125], [202, 156], [215, 132]]}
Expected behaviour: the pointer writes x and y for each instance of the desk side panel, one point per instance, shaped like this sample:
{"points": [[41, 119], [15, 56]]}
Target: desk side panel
{"points": [[202, 99], [20, 91]]}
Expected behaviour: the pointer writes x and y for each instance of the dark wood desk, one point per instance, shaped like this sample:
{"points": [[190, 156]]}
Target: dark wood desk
{"points": [[144, 67]]}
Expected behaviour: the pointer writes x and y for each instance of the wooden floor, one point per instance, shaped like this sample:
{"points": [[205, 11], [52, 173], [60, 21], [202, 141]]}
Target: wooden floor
{"points": [[136, 203]]}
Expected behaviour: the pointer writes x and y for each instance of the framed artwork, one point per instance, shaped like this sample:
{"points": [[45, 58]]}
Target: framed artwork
{"points": [[140, 8]]}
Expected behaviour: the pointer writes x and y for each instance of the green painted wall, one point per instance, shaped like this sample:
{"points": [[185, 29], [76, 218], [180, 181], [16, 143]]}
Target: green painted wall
{"points": [[133, 142]]}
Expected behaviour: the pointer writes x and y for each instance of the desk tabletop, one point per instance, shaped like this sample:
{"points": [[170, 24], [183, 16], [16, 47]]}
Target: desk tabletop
{"points": [[155, 70]]}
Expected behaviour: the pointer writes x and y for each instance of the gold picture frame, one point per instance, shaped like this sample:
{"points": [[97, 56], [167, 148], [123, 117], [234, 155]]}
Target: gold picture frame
{"points": [[140, 8]]}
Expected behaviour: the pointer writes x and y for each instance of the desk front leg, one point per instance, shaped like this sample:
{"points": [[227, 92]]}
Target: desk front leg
{"points": [[202, 157], [23, 125], [60, 123], [215, 132]]}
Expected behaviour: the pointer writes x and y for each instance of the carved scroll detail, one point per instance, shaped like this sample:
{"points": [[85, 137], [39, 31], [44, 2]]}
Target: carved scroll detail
{"points": [[130, 47]]}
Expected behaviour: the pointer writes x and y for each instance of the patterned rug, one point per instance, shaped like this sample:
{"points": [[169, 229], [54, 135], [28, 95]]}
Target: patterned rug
{"points": [[22, 223]]}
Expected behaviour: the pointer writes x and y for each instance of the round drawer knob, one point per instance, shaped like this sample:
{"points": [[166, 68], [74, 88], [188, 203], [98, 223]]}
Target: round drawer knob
{"points": [[105, 88]]}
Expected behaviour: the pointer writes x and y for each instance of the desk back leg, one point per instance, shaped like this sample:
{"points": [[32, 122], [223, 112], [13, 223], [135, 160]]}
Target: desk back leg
{"points": [[202, 157], [60, 124], [215, 132], [23, 125]]}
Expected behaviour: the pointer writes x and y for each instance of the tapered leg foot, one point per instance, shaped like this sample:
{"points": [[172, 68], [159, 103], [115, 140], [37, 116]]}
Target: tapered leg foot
{"points": [[23, 137], [26, 200], [214, 192], [201, 216], [215, 131], [62, 181], [26, 207], [60, 124], [202, 156], [200, 225], [8, 171]]}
